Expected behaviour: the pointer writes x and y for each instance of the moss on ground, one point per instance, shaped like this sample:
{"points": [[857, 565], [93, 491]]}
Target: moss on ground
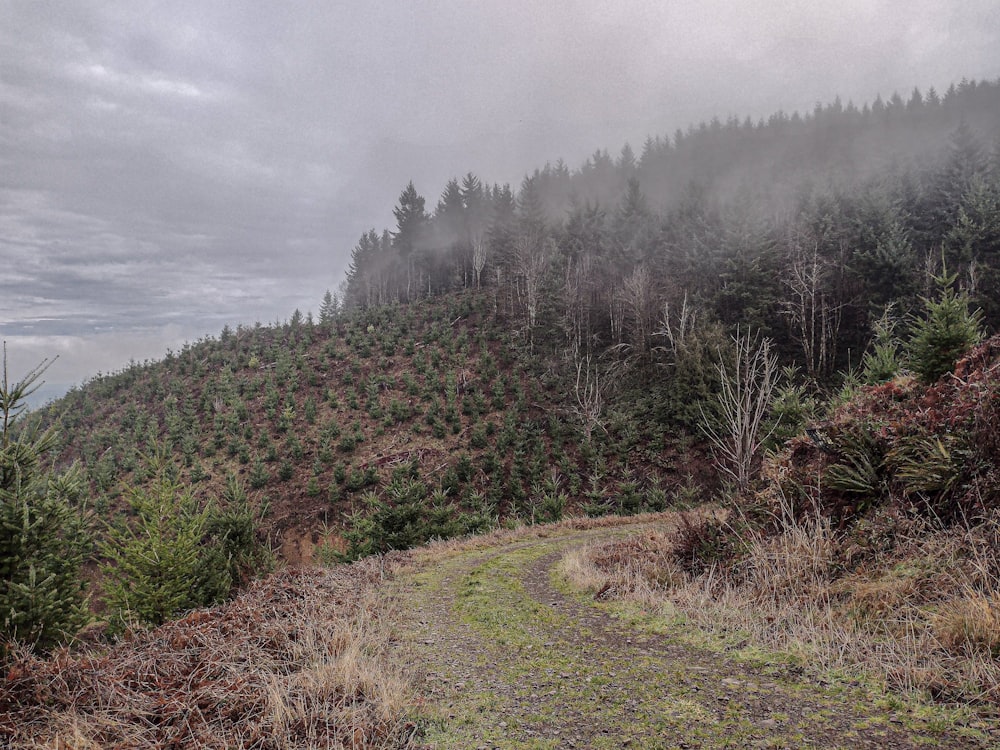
{"points": [[515, 659]]}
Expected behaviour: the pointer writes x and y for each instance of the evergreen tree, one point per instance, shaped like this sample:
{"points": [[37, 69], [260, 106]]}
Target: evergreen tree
{"points": [[363, 272], [157, 566], [451, 246], [502, 226], [974, 241], [449, 216], [411, 221], [176, 554], [887, 270], [966, 160], [43, 536], [411, 231], [328, 309], [626, 161], [531, 210], [881, 362], [633, 229], [946, 332]]}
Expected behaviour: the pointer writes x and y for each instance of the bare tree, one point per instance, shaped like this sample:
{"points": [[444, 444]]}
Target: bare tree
{"points": [[532, 257], [679, 330], [589, 394], [616, 311], [574, 299], [747, 385], [480, 253], [815, 316], [637, 299]]}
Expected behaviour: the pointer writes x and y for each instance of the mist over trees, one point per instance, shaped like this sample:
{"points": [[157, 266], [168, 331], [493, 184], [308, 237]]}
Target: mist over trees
{"points": [[804, 227]]}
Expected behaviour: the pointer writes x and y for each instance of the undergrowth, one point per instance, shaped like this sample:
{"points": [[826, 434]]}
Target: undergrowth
{"points": [[922, 618], [298, 660]]}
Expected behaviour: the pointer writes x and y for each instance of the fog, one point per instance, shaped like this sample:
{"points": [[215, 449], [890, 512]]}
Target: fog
{"points": [[170, 168]]}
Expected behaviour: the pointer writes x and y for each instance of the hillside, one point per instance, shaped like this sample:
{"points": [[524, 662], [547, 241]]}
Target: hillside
{"points": [[322, 420], [804, 227]]}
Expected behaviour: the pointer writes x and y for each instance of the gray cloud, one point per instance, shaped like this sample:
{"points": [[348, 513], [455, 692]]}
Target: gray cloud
{"points": [[166, 168]]}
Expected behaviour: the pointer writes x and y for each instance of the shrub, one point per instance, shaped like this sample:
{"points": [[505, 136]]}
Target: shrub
{"points": [[259, 475], [155, 566], [477, 438], [234, 531], [946, 332], [43, 537], [552, 506], [791, 409], [404, 516], [881, 362], [700, 542], [173, 555], [630, 500]]}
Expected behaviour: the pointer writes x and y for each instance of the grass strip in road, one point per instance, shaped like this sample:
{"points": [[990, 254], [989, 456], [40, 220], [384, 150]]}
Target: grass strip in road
{"points": [[492, 599]]}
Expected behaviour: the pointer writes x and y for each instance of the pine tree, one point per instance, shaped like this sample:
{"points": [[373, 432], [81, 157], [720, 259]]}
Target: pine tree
{"points": [[411, 230], [158, 564], [449, 216], [43, 535], [946, 332], [632, 226], [328, 309], [881, 362], [450, 247], [966, 160]]}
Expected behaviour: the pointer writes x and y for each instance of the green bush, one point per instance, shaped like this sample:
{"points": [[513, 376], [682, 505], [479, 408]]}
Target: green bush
{"points": [[792, 408], [155, 567], [946, 332], [477, 438], [881, 362], [233, 530], [552, 506], [403, 517], [259, 475], [172, 555], [43, 534]]}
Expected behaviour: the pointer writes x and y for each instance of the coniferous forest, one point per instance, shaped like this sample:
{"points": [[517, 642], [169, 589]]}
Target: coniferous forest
{"points": [[807, 228]]}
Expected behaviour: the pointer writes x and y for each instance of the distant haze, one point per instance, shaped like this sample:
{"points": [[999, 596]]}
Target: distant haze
{"points": [[170, 168]]}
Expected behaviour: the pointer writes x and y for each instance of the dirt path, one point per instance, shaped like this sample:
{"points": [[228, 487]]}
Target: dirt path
{"points": [[509, 659]]}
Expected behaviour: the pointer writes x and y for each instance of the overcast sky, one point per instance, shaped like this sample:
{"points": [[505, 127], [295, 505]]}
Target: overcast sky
{"points": [[167, 168]]}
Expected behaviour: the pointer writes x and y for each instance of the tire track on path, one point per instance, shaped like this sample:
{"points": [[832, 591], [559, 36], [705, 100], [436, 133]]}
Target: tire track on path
{"points": [[506, 659]]}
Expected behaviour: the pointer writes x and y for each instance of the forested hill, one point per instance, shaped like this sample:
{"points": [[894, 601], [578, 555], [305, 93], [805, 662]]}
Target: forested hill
{"points": [[805, 227], [430, 418], [560, 346]]}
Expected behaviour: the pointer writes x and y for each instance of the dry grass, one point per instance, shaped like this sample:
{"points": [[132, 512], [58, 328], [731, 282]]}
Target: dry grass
{"points": [[926, 618], [446, 547], [971, 621], [297, 661]]}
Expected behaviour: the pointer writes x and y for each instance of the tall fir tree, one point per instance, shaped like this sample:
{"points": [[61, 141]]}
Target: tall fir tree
{"points": [[411, 231]]}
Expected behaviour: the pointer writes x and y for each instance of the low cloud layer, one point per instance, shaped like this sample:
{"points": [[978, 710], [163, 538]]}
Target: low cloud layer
{"points": [[168, 168]]}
